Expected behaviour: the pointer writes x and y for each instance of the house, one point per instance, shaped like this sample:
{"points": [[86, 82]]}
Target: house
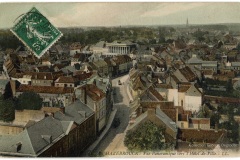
{"points": [[101, 66], [106, 86], [64, 81], [95, 98], [235, 66], [78, 58], [158, 117], [190, 97], [23, 119], [121, 64], [85, 132], [75, 48], [151, 95], [206, 136], [213, 65], [58, 136], [110, 66], [41, 78], [52, 96], [9, 70]]}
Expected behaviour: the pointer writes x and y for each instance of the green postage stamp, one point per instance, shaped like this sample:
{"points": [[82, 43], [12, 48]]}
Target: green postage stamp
{"points": [[36, 32]]}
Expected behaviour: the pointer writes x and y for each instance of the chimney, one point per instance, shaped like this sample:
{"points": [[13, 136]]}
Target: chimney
{"points": [[176, 114], [19, 146], [216, 127], [47, 138], [140, 109], [13, 87], [85, 94], [62, 109]]}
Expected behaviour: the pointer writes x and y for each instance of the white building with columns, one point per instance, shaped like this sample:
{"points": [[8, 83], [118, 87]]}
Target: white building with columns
{"points": [[120, 48]]}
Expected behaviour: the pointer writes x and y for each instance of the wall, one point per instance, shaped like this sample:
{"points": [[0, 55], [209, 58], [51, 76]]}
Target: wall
{"points": [[10, 130], [192, 103], [172, 96]]}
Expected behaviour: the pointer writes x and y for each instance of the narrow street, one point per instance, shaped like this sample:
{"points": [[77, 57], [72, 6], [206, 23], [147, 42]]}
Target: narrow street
{"points": [[114, 139]]}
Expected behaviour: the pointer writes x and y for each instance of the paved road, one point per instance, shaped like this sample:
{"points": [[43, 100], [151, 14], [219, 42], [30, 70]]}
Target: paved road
{"points": [[113, 141]]}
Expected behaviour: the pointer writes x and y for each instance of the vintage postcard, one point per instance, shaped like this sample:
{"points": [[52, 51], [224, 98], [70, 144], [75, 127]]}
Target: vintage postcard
{"points": [[108, 79]]}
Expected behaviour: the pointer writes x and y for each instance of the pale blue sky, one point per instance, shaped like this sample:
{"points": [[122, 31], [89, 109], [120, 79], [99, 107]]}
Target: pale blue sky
{"points": [[115, 14]]}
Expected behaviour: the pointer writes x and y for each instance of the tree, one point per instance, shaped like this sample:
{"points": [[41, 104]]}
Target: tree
{"points": [[7, 109], [147, 137], [29, 100]]}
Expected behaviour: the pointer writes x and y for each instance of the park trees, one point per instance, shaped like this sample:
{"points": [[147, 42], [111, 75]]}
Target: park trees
{"points": [[147, 137]]}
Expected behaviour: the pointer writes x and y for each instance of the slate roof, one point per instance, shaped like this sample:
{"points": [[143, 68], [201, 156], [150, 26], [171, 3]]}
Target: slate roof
{"points": [[76, 112], [34, 139], [3, 83], [235, 64], [161, 115], [194, 60]]}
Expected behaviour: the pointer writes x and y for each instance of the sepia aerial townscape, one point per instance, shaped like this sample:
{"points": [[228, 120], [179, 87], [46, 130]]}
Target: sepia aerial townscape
{"points": [[119, 79]]}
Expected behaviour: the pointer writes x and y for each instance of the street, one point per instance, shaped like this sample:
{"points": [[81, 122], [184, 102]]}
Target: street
{"points": [[114, 139]]}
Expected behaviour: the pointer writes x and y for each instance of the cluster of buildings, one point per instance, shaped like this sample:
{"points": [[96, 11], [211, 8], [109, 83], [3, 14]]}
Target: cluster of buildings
{"points": [[77, 99], [165, 83], [168, 87]]}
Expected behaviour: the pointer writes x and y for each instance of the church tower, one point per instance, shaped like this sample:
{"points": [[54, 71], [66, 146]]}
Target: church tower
{"points": [[187, 23]]}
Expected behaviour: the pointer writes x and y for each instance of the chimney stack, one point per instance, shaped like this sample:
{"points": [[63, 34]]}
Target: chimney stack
{"points": [[85, 94], [62, 109], [216, 127]]}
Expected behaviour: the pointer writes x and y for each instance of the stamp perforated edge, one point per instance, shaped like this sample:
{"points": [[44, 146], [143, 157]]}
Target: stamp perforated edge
{"points": [[48, 47]]}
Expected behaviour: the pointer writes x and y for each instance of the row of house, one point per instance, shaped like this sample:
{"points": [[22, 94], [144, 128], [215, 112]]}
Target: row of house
{"points": [[62, 133]]}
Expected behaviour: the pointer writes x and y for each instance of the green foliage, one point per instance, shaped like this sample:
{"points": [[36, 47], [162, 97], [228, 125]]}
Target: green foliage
{"points": [[233, 130], [7, 109], [29, 100], [147, 137], [214, 119]]}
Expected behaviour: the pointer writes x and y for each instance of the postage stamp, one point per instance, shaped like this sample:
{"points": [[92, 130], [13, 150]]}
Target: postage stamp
{"points": [[36, 32]]}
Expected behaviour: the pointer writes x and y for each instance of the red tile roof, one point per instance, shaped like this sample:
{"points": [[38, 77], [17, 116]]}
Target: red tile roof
{"points": [[45, 89], [64, 79], [93, 92], [156, 94], [188, 74], [210, 136], [40, 75], [200, 120]]}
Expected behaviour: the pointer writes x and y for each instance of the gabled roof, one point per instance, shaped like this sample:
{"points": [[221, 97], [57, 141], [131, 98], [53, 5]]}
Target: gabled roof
{"points": [[188, 74], [161, 115], [155, 93], [194, 60]]}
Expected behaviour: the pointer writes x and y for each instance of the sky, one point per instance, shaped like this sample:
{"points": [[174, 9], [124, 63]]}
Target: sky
{"points": [[125, 13]]}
